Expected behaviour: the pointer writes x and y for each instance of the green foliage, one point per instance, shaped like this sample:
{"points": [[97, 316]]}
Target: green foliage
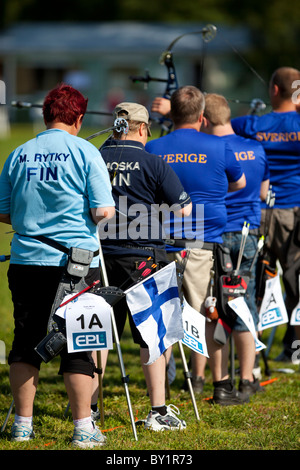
{"points": [[274, 26]]}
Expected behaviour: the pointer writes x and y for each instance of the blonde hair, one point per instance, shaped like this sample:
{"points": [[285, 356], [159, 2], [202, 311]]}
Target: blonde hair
{"points": [[217, 110]]}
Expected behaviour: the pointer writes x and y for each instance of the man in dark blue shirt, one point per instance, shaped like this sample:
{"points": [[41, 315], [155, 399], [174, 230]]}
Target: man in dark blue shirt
{"points": [[142, 186]]}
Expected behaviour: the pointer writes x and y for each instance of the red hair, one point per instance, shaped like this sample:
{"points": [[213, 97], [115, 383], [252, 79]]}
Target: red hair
{"points": [[64, 104]]}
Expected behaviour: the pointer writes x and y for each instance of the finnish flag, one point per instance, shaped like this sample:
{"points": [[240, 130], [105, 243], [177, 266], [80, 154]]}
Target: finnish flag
{"points": [[156, 310]]}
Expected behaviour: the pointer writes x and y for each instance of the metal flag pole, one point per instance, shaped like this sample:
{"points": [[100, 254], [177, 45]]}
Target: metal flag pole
{"points": [[100, 383], [187, 374], [118, 346], [245, 232], [7, 416], [188, 379]]}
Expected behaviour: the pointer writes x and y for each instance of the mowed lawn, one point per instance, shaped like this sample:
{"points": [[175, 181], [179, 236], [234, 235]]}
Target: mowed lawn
{"points": [[270, 421]]}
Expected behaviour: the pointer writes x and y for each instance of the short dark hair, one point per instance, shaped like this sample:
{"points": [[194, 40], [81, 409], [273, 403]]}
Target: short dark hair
{"points": [[284, 77], [64, 104]]}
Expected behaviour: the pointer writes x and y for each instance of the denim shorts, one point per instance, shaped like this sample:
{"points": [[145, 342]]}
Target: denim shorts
{"points": [[233, 241]]}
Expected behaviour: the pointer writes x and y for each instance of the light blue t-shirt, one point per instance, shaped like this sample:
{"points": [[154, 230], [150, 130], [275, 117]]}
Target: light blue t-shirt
{"points": [[48, 186]]}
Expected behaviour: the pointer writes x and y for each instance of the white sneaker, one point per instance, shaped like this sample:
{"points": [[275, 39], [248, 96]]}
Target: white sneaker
{"points": [[158, 422], [21, 432], [88, 438]]}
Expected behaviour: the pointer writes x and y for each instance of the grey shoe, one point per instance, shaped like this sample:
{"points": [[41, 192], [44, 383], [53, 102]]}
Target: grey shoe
{"points": [[197, 384]]}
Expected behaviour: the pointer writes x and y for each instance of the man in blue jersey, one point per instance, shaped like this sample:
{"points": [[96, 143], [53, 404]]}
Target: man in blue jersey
{"points": [[141, 183], [208, 169], [243, 205], [54, 186], [279, 134]]}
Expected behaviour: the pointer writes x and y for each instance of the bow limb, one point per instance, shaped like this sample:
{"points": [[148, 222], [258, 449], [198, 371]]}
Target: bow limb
{"points": [[172, 85]]}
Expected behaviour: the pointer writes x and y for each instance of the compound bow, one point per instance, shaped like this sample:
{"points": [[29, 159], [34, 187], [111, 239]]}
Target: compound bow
{"points": [[208, 33]]}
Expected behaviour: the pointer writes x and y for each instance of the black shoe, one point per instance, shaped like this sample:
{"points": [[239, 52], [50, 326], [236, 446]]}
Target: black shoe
{"points": [[225, 397], [250, 388]]}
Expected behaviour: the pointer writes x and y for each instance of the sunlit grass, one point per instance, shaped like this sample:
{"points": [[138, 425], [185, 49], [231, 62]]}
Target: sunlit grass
{"points": [[270, 422]]}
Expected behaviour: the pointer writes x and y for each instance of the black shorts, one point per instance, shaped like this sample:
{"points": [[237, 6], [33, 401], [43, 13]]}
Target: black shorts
{"points": [[33, 290], [122, 271]]}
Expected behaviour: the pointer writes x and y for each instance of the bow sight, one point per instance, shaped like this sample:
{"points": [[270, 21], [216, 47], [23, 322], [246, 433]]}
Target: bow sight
{"points": [[208, 33]]}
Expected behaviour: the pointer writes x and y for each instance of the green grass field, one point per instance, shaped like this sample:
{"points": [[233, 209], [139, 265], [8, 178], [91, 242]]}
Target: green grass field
{"points": [[270, 421]]}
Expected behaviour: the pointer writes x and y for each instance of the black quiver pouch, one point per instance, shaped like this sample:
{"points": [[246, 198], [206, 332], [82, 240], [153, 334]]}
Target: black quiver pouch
{"points": [[230, 285], [72, 282]]}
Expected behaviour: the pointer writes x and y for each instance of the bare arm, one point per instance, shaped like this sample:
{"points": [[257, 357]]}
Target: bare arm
{"points": [[184, 211], [236, 185], [264, 188], [100, 214], [5, 218]]}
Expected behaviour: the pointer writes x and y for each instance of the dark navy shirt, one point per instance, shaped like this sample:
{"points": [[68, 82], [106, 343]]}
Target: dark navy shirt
{"points": [[144, 186]]}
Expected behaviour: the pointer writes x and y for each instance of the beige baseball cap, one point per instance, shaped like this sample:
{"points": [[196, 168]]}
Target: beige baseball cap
{"points": [[134, 112]]}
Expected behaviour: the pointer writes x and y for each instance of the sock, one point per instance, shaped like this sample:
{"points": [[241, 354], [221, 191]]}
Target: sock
{"points": [[83, 423], [162, 410], [23, 420], [227, 384]]}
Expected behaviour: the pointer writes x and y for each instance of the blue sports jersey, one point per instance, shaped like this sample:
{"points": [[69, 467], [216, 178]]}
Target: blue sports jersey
{"points": [[204, 164], [244, 205], [142, 185], [48, 186], [279, 133]]}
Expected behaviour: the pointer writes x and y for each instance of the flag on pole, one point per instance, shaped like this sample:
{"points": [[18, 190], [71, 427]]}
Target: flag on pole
{"points": [[242, 310], [156, 311], [272, 311], [194, 329], [295, 317]]}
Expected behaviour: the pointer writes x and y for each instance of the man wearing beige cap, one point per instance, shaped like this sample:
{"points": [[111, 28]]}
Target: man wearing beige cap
{"points": [[140, 183]]}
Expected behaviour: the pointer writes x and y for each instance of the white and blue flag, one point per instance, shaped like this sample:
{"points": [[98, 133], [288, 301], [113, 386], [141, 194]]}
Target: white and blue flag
{"points": [[156, 310]]}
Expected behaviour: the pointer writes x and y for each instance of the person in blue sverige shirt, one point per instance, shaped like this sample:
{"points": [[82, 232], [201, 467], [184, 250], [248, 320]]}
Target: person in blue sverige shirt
{"points": [[141, 184], [57, 186], [243, 205], [207, 168], [279, 133]]}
